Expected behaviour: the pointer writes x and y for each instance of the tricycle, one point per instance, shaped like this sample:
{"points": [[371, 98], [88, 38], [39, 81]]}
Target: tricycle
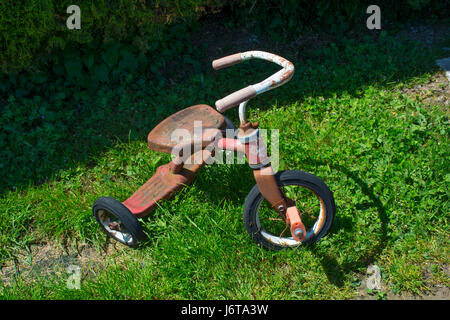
{"points": [[283, 210]]}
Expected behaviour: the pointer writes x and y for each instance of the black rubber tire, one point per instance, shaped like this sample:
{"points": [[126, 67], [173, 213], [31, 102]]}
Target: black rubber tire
{"points": [[122, 213], [285, 178]]}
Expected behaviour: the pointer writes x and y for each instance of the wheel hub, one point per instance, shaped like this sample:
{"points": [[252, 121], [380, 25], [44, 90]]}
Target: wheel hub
{"points": [[115, 226]]}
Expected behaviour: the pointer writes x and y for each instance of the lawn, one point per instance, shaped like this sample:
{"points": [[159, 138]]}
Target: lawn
{"points": [[343, 117]]}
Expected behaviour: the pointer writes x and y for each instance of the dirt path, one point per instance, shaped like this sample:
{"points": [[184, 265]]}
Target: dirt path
{"points": [[435, 92], [52, 259], [434, 292]]}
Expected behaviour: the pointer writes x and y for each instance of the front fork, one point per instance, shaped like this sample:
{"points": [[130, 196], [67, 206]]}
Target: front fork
{"points": [[270, 190], [250, 142]]}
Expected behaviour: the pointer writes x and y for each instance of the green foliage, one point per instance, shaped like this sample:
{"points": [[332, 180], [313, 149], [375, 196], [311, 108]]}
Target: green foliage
{"points": [[292, 17], [31, 31]]}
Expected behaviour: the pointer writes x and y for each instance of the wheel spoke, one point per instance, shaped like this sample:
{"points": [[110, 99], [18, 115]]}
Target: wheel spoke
{"points": [[298, 191], [301, 198], [282, 232], [309, 213]]}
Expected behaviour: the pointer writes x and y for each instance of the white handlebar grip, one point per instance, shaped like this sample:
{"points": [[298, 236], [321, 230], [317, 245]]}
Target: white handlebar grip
{"points": [[235, 98], [226, 61]]}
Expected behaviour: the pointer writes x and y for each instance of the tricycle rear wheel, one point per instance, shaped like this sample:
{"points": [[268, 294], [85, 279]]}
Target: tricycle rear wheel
{"points": [[117, 221]]}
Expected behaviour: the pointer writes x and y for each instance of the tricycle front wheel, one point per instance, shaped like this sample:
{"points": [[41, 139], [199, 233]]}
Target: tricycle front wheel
{"points": [[117, 221], [313, 199]]}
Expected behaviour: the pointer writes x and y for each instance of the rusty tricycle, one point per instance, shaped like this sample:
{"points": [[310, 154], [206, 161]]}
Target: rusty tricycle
{"points": [[283, 210]]}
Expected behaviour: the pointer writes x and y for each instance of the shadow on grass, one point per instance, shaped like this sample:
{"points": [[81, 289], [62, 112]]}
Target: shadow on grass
{"points": [[217, 182], [336, 272]]}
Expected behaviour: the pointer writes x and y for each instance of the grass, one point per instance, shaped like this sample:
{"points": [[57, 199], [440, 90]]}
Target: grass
{"points": [[384, 154]]}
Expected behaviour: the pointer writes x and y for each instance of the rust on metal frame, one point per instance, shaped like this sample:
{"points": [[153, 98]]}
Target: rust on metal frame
{"points": [[163, 185], [269, 189], [172, 177], [275, 80]]}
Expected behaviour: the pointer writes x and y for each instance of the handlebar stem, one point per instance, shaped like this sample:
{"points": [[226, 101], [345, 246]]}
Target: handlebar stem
{"points": [[242, 117]]}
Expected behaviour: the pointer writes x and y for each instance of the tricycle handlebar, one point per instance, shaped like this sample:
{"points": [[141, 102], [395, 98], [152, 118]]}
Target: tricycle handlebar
{"points": [[276, 80]]}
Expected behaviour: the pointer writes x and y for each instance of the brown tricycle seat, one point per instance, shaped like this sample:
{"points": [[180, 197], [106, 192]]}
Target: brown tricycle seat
{"points": [[160, 138], [164, 183]]}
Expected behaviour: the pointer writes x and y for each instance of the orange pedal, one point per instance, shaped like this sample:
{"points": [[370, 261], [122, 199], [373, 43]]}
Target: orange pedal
{"points": [[298, 230]]}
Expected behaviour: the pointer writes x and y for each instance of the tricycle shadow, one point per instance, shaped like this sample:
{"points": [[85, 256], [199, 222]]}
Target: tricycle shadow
{"points": [[336, 273], [217, 180], [215, 184], [215, 188]]}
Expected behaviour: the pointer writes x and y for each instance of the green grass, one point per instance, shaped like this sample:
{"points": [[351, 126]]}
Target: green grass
{"points": [[383, 154]]}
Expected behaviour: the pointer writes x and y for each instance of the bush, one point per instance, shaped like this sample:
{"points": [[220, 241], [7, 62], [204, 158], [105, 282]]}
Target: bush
{"points": [[334, 16], [31, 31]]}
